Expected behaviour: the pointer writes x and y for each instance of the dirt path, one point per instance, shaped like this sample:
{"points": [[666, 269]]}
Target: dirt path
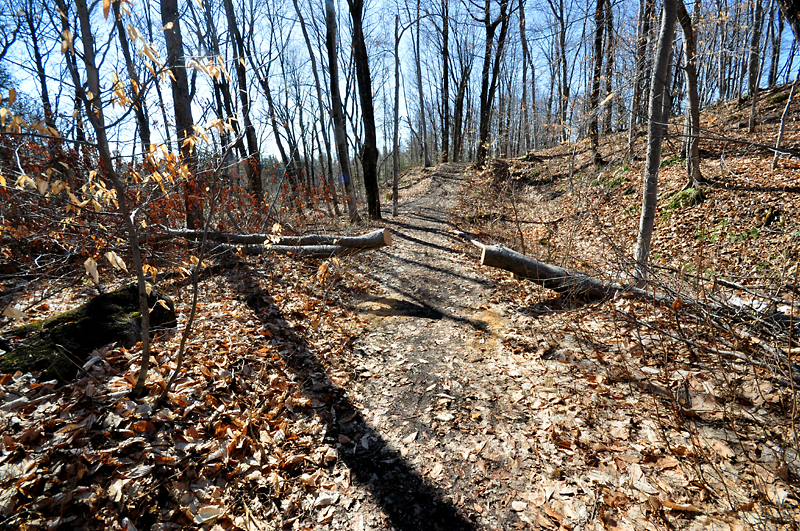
{"points": [[434, 379]]}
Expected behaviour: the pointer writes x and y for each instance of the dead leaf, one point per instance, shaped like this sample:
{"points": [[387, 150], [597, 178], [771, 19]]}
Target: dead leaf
{"points": [[208, 513]]}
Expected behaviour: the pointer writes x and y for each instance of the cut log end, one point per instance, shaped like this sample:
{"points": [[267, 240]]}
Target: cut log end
{"points": [[387, 237]]}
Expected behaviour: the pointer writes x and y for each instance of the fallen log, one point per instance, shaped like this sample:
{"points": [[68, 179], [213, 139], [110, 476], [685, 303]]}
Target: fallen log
{"points": [[281, 244], [305, 251], [550, 276]]}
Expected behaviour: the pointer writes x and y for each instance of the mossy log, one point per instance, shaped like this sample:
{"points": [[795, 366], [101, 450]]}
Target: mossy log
{"points": [[57, 347]]}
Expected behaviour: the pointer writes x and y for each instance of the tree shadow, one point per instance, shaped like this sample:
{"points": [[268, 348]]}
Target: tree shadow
{"points": [[409, 502]]}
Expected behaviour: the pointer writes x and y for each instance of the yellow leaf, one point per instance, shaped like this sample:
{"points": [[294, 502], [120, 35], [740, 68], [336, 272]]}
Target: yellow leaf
{"points": [[91, 268], [14, 313], [168, 26], [106, 7], [12, 96], [66, 41], [133, 33], [116, 261], [2, 180]]}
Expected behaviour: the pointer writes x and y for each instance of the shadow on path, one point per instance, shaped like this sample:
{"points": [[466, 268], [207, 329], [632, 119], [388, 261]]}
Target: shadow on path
{"points": [[410, 503]]}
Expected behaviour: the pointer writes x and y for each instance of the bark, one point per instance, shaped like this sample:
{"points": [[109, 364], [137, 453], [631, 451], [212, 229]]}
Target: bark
{"points": [[489, 86], [337, 115], [692, 125], [369, 150], [331, 185], [645, 12], [655, 134], [182, 104], [253, 168], [594, 95], [138, 101]]}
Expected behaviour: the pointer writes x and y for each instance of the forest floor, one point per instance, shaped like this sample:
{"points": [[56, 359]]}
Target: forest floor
{"points": [[411, 388]]}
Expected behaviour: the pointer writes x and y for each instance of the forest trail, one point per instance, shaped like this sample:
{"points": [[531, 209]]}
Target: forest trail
{"points": [[435, 381]]}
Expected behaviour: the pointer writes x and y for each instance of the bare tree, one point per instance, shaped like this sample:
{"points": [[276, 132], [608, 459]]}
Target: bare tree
{"points": [[445, 5], [645, 12], [692, 126], [594, 95], [490, 71], [656, 128], [139, 107], [369, 150], [253, 156], [182, 106]]}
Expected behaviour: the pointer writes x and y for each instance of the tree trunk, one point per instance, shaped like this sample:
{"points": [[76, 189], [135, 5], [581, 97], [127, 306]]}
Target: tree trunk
{"points": [[369, 150], [777, 35], [609, 75], [655, 134], [645, 12], [523, 37], [549, 276], [253, 168], [465, 67], [692, 125], [396, 118], [594, 95], [754, 57], [340, 137], [182, 103], [445, 81]]}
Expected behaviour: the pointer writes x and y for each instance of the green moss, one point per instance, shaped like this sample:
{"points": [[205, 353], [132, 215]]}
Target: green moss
{"points": [[59, 345], [672, 160], [778, 98], [686, 198]]}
